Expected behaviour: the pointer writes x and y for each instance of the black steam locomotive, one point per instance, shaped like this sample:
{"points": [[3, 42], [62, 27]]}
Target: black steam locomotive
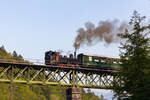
{"points": [[82, 60], [52, 57]]}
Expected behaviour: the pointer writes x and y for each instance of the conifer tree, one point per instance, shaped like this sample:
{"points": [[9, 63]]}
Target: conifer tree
{"points": [[133, 81], [2, 48], [15, 55], [20, 58]]}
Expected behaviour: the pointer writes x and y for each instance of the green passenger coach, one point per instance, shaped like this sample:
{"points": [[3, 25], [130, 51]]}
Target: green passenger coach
{"points": [[99, 61]]}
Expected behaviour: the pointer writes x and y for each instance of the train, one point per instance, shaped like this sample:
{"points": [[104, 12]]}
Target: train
{"points": [[81, 60]]}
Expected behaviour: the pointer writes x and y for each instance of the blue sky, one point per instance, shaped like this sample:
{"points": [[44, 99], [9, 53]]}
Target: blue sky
{"points": [[32, 27]]}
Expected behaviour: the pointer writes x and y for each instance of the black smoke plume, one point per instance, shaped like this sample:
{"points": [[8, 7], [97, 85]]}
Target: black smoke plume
{"points": [[106, 31]]}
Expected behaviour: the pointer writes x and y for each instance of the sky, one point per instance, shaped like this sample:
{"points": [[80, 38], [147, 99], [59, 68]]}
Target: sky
{"points": [[32, 27]]}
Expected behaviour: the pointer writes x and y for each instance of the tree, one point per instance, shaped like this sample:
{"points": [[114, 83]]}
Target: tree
{"points": [[133, 81], [15, 55], [2, 48], [20, 58], [102, 98]]}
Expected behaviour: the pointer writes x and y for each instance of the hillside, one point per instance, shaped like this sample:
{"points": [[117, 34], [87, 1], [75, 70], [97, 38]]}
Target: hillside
{"points": [[32, 92]]}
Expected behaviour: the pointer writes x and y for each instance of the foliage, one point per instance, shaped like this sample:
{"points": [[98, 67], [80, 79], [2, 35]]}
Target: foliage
{"points": [[133, 82], [102, 98], [89, 96]]}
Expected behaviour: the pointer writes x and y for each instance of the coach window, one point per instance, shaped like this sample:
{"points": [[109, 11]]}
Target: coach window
{"points": [[90, 58]]}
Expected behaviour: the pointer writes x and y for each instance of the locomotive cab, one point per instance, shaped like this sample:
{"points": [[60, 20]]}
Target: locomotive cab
{"points": [[51, 57]]}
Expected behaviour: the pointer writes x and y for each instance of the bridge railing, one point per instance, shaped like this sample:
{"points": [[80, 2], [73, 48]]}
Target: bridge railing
{"points": [[24, 61]]}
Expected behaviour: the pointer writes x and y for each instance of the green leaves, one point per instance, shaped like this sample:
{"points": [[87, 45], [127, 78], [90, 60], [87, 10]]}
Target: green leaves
{"points": [[135, 57]]}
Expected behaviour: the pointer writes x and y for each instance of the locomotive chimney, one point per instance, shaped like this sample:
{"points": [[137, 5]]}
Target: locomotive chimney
{"points": [[75, 54]]}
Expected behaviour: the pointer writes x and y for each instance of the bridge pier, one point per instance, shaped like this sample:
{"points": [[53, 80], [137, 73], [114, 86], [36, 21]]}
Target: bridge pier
{"points": [[74, 93]]}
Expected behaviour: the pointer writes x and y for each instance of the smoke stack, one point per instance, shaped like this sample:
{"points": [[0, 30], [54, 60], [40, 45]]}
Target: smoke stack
{"points": [[71, 56], [75, 54]]}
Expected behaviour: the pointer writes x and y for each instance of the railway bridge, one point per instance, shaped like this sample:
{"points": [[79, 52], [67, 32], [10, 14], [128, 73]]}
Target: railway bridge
{"points": [[69, 76]]}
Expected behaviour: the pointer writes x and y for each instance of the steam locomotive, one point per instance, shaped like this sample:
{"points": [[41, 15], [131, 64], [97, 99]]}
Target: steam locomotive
{"points": [[81, 60]]}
